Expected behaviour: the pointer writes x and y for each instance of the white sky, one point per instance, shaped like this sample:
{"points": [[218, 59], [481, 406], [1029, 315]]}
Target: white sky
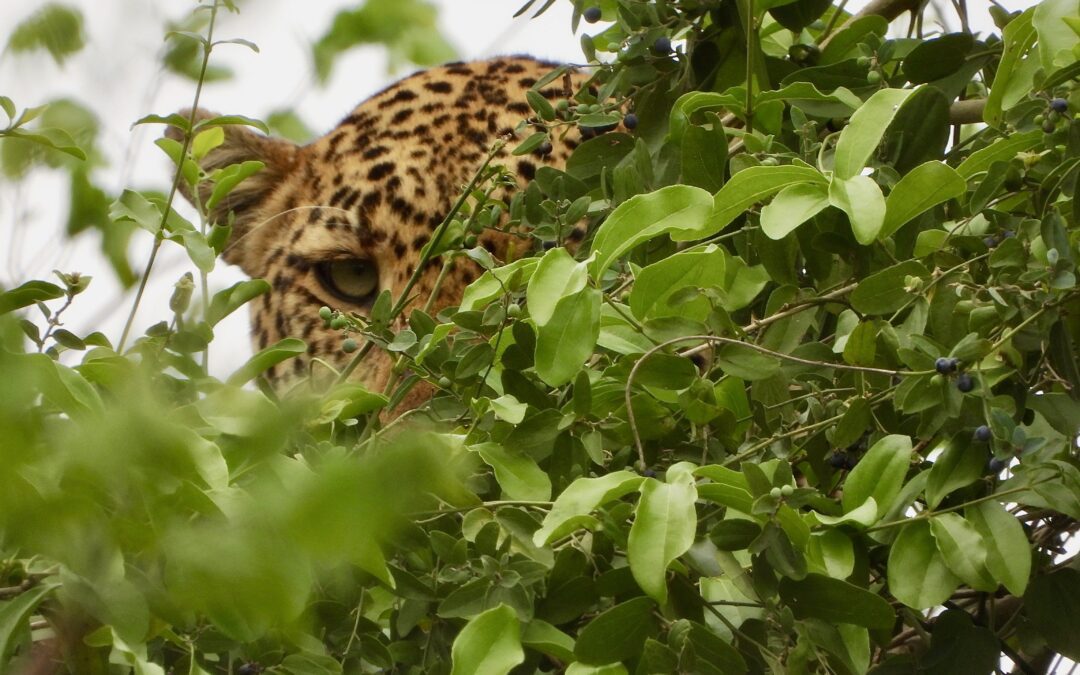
{"points": [[117, 77]]}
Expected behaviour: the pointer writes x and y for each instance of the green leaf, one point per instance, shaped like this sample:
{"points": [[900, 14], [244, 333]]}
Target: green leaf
{"points": [[861, 347], [883, 292], [490, 644], [746, 363], [617, 634], [205, 141], [755, 184], [959, 646], [15, 616], [861, 199], [579, 668], [666, 371], [834, 551], [924, 187], [934, 59], [573, 506], [961, 463], [664, 525], [266, 359], [231, 120], [680, 211], [1052, 603], [726, 486], [547, 639], [704, 155], [1012, 81], [198, 249], [27, 294], [734, 534], [567, 340], [835, 601], [791, 207], [704, 651], [1002, 150], [1008, 553], [517, 473], [531, 143], [963, 549], [557, 276], [56, 28], [229, 177], [131, 205], [509, 409], [918, 575], [861, 136], [540, 104], [655, 284], [227, 301], [879, 474], [493, 283]]}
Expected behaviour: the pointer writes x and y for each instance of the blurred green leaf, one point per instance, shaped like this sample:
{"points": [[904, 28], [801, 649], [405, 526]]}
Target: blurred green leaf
{"points": [[55, 28]]}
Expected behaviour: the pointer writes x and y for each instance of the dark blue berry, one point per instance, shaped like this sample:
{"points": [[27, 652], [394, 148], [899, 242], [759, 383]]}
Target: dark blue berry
{"points": [[662, 45], [995, 465], [1008, 234], [983, 434], [990, 242], [965, 383], [547, 245], [1059, 105], [592, 14], [945, 365], [630, 121], [648, 473], [838, 460]]}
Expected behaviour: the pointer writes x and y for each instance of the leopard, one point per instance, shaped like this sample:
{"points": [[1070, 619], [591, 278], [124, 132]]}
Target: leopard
{"points": [[337, 221]]}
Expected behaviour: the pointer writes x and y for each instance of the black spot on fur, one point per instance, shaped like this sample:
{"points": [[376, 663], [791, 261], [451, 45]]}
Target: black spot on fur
{"points": [[401, 115], [526, 170], [380, 170], [400, 96], [439, 87]]}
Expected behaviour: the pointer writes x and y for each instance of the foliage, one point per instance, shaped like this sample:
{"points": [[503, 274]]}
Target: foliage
{"points": [[805, 400]]}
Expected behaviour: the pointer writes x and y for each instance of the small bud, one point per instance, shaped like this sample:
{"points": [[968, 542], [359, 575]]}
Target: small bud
{"points": [[181, 297]]}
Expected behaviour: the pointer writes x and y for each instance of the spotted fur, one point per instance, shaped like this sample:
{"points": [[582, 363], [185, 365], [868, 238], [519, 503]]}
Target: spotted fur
{"points": [[375, 187]]}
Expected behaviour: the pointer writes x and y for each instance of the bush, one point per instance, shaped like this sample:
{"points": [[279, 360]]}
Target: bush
{"points": [[805, 400]]}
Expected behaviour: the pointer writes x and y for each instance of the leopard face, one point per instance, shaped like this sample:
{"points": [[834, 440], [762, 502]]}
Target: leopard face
{"points": [[339, 220]]}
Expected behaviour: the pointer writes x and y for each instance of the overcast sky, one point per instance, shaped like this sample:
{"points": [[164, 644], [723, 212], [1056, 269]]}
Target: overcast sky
{"points": [[118, 77]]}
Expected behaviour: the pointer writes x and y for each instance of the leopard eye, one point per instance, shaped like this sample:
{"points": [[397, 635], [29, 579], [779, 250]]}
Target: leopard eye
{"points": [[353, 280]]}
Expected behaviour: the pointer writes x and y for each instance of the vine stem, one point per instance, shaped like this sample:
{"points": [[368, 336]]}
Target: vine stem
{"points": [[749, 345], [750, 32], [930, 514], [159, 237]]}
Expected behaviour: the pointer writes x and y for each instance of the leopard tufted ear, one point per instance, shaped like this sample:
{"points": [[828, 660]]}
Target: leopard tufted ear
{"points": [[248, 198]]}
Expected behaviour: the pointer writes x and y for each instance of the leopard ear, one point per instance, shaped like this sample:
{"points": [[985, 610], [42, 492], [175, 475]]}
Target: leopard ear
{"points": [[246, 199]]}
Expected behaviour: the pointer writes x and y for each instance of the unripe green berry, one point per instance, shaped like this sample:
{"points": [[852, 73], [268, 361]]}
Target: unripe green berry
{"points": [[325, 313], [787, 490], [513, 311], [349, 345], [873, 77], [339, 322], [775, 493], [444, 382]]}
